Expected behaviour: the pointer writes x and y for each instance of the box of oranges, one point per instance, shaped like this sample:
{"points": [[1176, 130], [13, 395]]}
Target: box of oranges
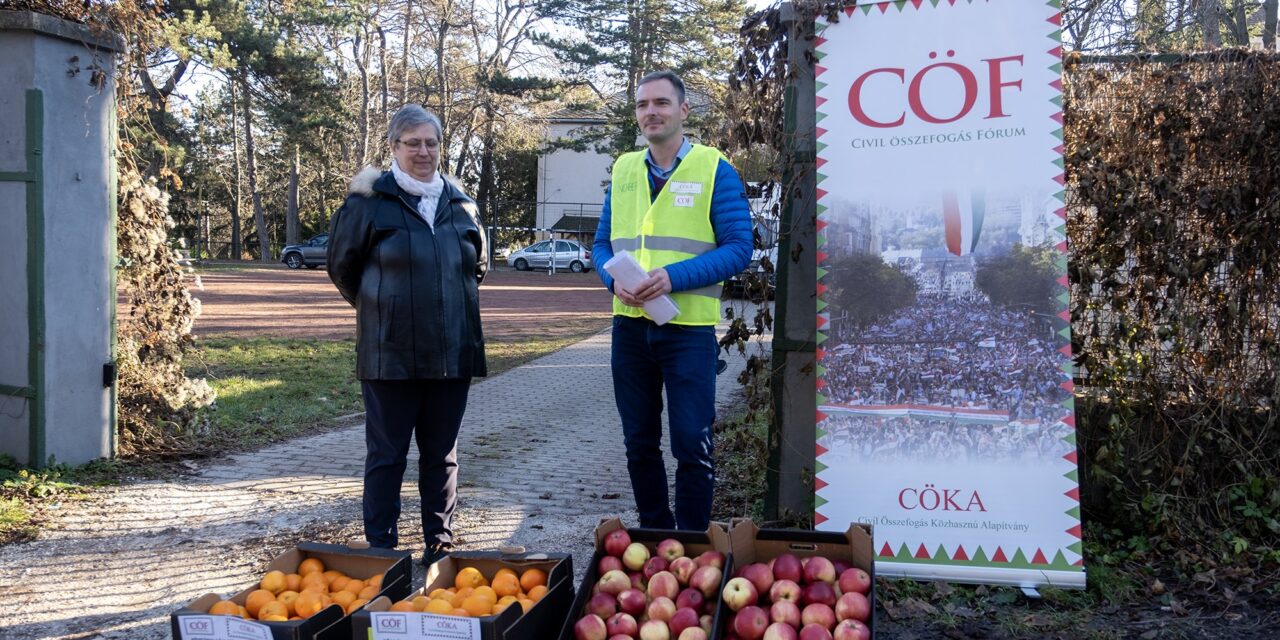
{"points": [[477, 595], [307, 593]]}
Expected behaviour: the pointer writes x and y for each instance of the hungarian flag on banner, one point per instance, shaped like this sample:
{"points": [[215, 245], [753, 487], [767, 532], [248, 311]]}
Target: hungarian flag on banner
{"points": [[962, 220]]}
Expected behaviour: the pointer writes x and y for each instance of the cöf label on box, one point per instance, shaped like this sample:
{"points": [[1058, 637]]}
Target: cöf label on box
{"points": [[391, 625], [222, 628]]}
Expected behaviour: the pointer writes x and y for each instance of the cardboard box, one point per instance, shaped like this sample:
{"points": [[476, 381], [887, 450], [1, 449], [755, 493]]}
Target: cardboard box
{"points": [[752, 544], [192, 622], [715, 538], [543, 620]]}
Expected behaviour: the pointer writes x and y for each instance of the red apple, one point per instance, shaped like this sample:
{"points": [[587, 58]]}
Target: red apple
{"points": [[841, 566], [750, 623], [851, 630], [683, 568], [590, 627], [616, 542], [710, 559], [655, 630], [818, 613], [814, 632], [654, 565], [637, 580], [663, 585], [632, 601], [819, 592], [785, 611], [785, 590], [683, 619], [759, 575], [603, 605], [670, 549], [635, 556], [787, 567], [707, 580], [622, 624], [780, 631], [620, 636], [614, 582], [739, 593], [693, 633], [690, 599], [855, 581], [816, 569], [705, 622], [853, 605], [661, 609], [609, 563]]}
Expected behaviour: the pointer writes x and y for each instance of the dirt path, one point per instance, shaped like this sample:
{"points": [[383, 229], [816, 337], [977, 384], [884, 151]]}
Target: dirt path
{"points": [[270, 301]]}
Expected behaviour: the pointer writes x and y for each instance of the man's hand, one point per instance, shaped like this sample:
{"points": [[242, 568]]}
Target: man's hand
{"points": [[627, 297], [658, 283]]}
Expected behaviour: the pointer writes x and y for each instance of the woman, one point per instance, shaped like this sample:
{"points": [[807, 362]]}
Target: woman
{"points": [[407, 250]]}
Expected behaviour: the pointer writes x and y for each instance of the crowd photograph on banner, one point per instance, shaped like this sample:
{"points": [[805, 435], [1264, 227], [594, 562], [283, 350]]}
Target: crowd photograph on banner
{"points": [[960, 364]]}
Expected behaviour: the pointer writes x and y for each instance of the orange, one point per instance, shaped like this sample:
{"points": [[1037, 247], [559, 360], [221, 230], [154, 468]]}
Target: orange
{"points": [[477, 606], [485, 592], [274, 582], [224, 608], [532, 578], [368, 593], [440, 606], [344, 599], [499, 608], [438, 593], [505, 571], [288, 597], [461, 613], [469, 577], [308, 603], [506, 584], [338, 583], [536, 593], [403, 605], [256, 599], [333, 574], [375, 581], [274, 610], [310, 565], [526, 604], [353, 585], [355, 604], [315, 578], [292, 582], [419, 602], [244, 613]]}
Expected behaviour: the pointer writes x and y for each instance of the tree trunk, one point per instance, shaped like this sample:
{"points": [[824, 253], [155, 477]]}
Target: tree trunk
{"points": [[360, 53], [237, 201], [1239, 24], [1152, 18], [1269, 25], [442, 88], [405, 43], [1209, 23], [259, 219], [291, 225], [382, 71]]}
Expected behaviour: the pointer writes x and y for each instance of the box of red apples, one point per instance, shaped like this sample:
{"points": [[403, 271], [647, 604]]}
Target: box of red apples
{"points": [[652, 584], [799, 585]]}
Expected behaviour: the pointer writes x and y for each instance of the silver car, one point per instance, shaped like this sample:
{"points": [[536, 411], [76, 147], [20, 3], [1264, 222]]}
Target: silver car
{"points": [[309, 254], [568, 254]]}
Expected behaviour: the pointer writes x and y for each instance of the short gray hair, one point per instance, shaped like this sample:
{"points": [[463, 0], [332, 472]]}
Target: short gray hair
{"points": [[411, 116]]}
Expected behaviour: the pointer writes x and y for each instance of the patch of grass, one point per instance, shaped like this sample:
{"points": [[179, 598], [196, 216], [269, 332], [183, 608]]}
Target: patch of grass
{"points": [[271, 389], [16, 522]]}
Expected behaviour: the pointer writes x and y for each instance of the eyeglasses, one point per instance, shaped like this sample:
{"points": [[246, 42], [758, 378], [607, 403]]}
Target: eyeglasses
{"points": [[417, 145]]}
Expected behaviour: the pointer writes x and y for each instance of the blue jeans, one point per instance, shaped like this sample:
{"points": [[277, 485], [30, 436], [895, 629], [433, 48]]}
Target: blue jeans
{"points": [[647, 357], [396, 412]]}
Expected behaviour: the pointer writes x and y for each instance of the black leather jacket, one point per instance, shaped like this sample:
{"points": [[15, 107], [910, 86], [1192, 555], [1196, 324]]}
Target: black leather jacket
{"points": [[415, 290]]}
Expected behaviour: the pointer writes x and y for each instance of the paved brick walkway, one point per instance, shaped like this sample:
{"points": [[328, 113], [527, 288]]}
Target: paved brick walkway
{"points": [[541, 462]]}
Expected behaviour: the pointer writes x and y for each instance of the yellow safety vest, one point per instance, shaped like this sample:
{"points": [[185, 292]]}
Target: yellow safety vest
{"points": [[674, 226]]}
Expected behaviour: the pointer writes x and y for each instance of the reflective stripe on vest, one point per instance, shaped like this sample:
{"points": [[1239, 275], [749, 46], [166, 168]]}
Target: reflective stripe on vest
{"points": [[676, 226]]}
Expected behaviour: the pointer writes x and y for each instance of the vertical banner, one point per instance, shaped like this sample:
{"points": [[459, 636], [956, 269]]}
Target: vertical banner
{"points": [[945, 406]]}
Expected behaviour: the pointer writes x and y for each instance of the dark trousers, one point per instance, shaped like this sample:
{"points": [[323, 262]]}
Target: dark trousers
{"points": [[646, 357], [396, 411]]}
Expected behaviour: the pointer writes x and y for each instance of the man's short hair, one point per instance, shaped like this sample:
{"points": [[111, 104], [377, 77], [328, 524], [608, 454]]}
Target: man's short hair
{"points": [[669, 76]]}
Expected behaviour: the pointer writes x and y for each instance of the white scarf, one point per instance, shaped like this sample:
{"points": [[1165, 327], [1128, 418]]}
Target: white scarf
{"points": [[428, 192]]}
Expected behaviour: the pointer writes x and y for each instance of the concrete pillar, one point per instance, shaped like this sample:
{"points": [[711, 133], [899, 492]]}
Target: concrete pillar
{"points": [[57, 240]]}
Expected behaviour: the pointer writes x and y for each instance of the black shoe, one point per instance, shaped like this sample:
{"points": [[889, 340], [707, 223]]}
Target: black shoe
{"points": [[435, 553], [721, 365]]}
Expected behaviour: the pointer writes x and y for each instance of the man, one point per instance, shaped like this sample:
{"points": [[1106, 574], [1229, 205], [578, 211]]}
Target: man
{"points": [[681, 210]]}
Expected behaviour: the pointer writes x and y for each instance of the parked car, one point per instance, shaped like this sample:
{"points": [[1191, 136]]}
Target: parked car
{"points": [[309, 254], [756, 282], [568, 254]]}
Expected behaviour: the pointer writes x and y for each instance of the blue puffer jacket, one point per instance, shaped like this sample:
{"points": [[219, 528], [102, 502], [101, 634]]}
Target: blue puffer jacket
{"points": [[731, 221]]}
